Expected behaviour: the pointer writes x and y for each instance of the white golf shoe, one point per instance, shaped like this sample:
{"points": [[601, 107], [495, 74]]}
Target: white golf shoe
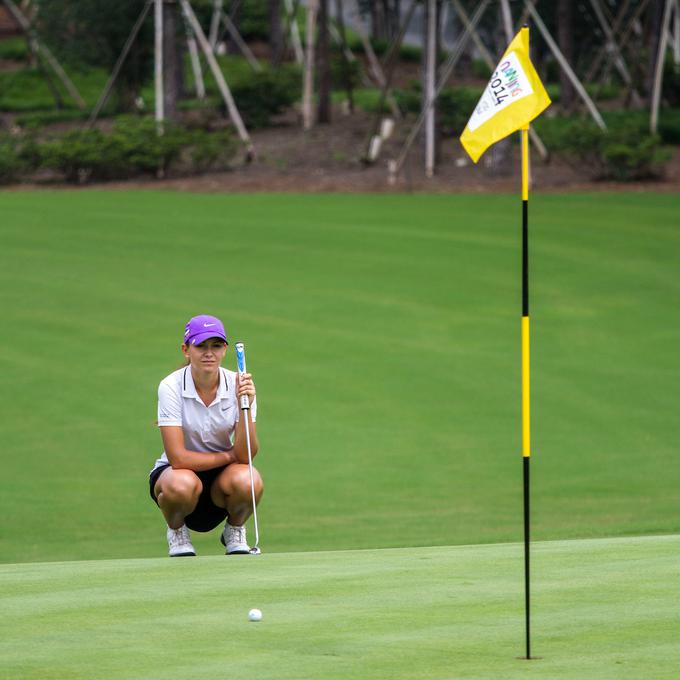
{"points": [[234, 540], [179, 542]]}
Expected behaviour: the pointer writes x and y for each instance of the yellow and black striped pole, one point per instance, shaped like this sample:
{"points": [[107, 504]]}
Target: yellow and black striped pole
{"points": [[513, 98], [526, 430]]}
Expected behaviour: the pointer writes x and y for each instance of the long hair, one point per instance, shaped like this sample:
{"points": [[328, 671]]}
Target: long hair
{"points": [[186, 363]]}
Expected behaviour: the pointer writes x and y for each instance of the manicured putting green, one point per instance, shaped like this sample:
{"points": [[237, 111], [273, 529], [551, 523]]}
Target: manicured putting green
{"points": [[603, 609]]}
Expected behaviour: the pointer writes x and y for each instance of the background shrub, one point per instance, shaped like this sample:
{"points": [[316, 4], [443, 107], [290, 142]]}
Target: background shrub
{"points": [[254, 20], [210, 151], [455, 105], [410, 98], [669, 125], [18, 156], [10, 164], [344, 72], [668, 129], [480, 69], [133, 148], [14, 49], [671, 82], [267, 94], [624, 152]]}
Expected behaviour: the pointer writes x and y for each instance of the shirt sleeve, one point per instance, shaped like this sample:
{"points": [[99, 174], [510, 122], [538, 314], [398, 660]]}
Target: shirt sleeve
{"points": [[169, 405]]}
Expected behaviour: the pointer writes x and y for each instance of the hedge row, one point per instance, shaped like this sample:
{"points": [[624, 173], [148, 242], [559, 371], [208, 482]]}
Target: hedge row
{"points": [[132, 148], [626, 151]]}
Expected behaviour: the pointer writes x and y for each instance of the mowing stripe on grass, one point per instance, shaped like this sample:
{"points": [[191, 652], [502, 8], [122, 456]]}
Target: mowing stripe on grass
{"points": [[382, 334], [604, 609]]}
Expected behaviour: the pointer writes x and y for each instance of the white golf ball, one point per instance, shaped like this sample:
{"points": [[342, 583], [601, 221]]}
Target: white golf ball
{"points": [[255, 615]]}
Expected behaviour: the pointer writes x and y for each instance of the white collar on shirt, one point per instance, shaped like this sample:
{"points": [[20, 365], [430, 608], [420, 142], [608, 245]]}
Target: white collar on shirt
{"points": [[189, 389]]}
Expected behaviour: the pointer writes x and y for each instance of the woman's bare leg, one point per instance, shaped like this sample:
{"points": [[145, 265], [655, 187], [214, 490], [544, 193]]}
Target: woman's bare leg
{"points": [[231, 490], [177, 492]]}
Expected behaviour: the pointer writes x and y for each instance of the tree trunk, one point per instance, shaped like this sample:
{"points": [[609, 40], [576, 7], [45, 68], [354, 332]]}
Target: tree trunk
{"points": [[347, 75], [235, 16], [275, 33], [387, 20], [395, 14], [324, 111], [310, 60], [171, 60], [430, 52], [377, 21], [565, 39], [653, 37]]}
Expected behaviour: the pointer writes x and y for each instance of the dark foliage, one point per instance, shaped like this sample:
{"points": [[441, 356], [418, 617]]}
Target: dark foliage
{"points": [[267, 94], [625, 152], [131, 149]]}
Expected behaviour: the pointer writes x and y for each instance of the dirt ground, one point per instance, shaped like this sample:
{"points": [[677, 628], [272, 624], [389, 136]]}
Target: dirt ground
{"points": [[327, 159]]}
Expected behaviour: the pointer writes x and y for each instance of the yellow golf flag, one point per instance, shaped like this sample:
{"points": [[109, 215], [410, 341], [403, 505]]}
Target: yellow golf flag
{"points": [[513, 98]]}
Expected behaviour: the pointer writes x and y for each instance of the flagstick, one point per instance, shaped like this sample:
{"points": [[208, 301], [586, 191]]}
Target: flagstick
{"points": [[496, 116], [526, 434]]}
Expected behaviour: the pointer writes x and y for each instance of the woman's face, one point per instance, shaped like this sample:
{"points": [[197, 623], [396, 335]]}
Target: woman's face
{"points": [[207, 356]]}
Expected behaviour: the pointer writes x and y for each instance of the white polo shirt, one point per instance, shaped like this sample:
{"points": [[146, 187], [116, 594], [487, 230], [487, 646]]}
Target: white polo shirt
{"points": [[206, 428]]}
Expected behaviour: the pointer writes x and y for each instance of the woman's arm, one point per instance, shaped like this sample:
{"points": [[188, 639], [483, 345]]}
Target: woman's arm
{"points": [[180, 457], [240, 449]]}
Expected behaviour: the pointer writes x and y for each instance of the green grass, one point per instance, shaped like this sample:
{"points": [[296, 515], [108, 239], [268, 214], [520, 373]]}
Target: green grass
{"points": [[14, 49], [26, 90], [364, 98], [383, 334], [603, 610]]}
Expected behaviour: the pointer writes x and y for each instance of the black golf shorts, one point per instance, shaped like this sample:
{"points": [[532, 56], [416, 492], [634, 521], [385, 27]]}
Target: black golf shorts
{"points": [[206, 516]]}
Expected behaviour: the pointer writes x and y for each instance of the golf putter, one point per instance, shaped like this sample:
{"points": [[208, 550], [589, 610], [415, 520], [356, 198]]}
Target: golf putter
{"points": [[245, 410]]}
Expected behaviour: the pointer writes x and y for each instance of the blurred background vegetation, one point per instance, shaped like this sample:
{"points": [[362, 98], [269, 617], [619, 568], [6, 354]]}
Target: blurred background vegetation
{"points": [[44, 130]]}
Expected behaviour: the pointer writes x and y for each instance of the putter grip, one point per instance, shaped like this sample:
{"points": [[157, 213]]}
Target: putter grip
{"points": [[241, 365]]}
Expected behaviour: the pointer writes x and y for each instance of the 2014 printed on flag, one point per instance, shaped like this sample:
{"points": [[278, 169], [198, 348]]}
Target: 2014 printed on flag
{"points": [[508, 84]]}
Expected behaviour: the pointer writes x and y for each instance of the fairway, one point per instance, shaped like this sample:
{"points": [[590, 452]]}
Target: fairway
{"points": [[604, 609], [383, 335]]}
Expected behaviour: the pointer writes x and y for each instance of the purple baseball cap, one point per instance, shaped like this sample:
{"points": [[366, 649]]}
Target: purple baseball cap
{"points": [[201, 328]]}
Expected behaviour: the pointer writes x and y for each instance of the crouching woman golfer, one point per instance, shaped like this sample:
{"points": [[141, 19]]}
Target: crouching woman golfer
{"points": [[202, 478]]}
